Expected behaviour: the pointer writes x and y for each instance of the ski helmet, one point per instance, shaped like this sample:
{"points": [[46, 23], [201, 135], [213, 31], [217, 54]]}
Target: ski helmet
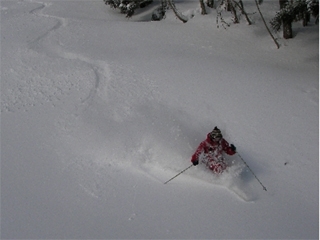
{"points": [[215, 134]]}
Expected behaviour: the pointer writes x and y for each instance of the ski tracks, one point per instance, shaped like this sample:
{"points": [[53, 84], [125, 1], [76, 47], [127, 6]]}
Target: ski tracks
{"points": [[45, 71], [49, 43], [38, 12], [91, 128], [120, 103]]}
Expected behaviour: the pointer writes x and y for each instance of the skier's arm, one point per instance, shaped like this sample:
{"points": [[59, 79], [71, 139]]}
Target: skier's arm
{"points": [[228, 149], [195, 156]]}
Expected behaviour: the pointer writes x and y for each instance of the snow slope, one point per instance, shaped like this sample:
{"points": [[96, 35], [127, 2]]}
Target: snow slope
{"points": [[98, 111]]}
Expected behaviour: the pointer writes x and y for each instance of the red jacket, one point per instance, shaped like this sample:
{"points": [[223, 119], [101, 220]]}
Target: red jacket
{"points": [[209, 150]]}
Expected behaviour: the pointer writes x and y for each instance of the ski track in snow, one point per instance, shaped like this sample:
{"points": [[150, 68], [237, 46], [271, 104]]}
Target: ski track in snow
{"points": [[115, 83], [100, 69], [40, 88], [98, 139], [107, 84]]}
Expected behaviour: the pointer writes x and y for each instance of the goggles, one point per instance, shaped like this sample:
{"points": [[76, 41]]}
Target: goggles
{"points": [[215, 135]]}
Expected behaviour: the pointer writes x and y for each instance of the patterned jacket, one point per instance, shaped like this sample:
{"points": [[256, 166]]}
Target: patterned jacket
{"points": [[209, 150]]}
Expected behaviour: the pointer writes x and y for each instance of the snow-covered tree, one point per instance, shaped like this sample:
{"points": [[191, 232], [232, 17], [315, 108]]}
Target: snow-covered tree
{"points": [[292, 11], [128, 7], [232, 6]]}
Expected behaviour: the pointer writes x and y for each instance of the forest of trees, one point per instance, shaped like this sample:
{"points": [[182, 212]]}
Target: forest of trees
{"points": [[289, 11]]}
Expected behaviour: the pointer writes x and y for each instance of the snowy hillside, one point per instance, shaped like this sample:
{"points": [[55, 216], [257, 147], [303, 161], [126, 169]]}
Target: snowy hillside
{"points": [[98, 111]]}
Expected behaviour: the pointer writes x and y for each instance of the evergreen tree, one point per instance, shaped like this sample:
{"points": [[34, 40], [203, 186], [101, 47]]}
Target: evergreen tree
{"points": [[292, 11], [127, 6]]}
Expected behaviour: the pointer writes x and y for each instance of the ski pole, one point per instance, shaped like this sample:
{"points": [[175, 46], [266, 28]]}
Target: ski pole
{"points": [[264, 188], [179, 174]]}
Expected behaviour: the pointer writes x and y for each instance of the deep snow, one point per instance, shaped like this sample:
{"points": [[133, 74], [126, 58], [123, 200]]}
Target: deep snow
{"points": [[98, 111]]}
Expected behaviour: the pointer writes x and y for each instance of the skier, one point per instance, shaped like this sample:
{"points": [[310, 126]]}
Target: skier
{"points": [[210, 151]]}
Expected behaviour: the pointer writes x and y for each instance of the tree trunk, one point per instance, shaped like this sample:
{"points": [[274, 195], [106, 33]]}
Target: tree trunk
{"points": [[306, 18], [179, 15], [286, 24], [210, 3], [228, 5], [234, 12], [265, 24], [203, 8], [240, 5], [282, 3], [287, 29]]}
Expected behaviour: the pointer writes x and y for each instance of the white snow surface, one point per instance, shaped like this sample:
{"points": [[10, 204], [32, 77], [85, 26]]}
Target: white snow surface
{"points": [[98, 111]]}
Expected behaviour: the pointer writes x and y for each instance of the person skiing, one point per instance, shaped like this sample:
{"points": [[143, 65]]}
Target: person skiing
{"points": [[210, 152]]}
